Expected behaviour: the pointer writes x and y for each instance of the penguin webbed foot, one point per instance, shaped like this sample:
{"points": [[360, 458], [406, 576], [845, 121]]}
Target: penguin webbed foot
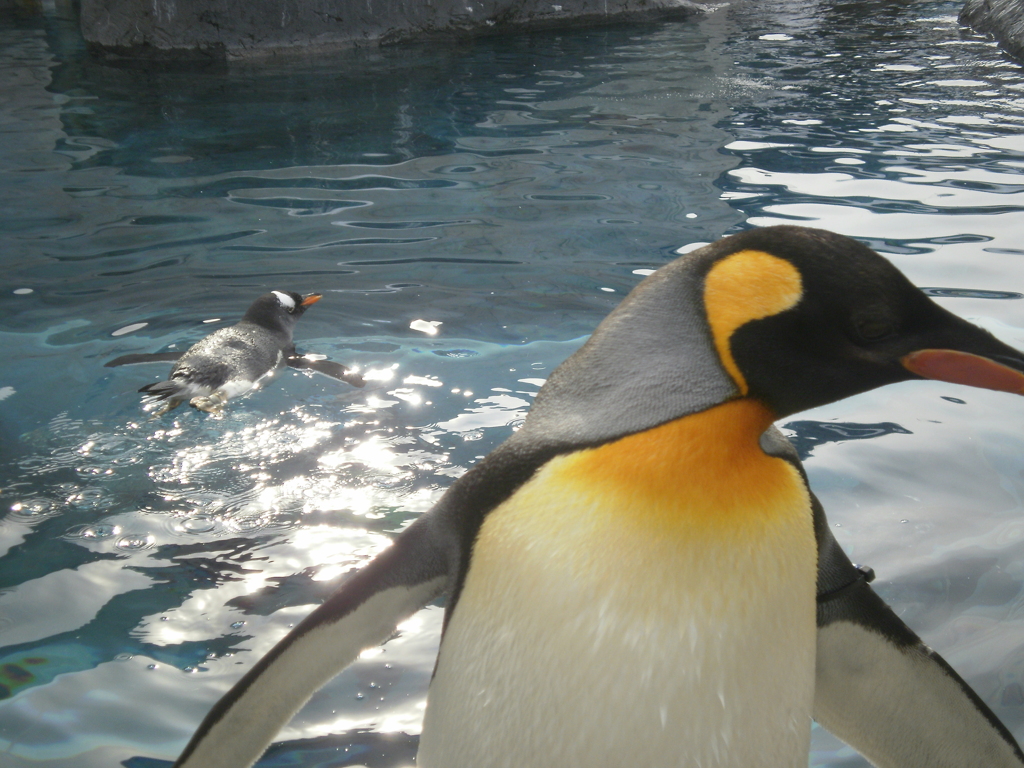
{"points": [[213, 404], [326, 367], [169, 405]]}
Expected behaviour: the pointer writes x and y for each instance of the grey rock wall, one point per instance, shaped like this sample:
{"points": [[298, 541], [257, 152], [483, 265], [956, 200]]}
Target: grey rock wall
{"points": [[243, 28], [1003, 19]]}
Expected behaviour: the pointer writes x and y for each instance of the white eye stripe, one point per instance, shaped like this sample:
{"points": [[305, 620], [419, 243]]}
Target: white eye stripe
{"points": [[286, 301]]}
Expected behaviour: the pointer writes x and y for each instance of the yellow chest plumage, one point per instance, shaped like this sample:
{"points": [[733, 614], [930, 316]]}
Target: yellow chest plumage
{"points": [[648, 602]]}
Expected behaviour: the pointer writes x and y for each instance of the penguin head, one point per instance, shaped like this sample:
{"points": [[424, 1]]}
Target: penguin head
{"points": [[801, 317], [279, 310], [792, 316]]}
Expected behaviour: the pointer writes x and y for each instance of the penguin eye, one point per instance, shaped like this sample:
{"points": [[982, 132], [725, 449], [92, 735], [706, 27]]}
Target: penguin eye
{"points": [[874, 328]]}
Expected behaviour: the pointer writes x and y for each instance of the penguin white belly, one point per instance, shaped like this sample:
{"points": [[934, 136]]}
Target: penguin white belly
{"points": [[235, 387], [643, 603], [240, 385], [189, 389]]}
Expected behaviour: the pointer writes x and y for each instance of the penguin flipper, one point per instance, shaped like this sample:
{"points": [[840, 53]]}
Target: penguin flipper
{"points": [[895, 700], [326, 367], [362, 613], [155, 357]]}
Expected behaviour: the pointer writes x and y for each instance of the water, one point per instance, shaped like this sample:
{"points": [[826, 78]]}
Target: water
{"points": [[504, 194]]}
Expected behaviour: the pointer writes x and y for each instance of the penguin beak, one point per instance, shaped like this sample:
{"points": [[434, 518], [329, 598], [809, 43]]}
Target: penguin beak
{"points": [[310, 300], [966, 368]]}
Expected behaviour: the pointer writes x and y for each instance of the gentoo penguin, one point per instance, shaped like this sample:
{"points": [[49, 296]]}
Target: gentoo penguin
{"points": [[234, 360], [641, 575]]}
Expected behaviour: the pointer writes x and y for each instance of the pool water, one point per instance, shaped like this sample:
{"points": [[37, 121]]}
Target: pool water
{"points": [[470, 212]]}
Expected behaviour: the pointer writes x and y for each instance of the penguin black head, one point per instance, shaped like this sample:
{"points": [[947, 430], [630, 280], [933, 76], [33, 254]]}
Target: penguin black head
{"points": [[278, 310], [801, 317]]}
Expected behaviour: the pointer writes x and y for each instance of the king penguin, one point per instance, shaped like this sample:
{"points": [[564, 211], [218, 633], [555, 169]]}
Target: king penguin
{"points": [[234, 360], [641, 574]]}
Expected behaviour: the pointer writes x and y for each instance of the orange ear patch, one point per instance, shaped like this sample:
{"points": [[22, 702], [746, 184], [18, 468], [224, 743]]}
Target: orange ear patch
{"points": [[748, 285]]}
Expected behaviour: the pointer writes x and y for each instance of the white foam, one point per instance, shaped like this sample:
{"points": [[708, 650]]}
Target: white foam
{"points": [[428, 327], [286, 301], [129, 329]]}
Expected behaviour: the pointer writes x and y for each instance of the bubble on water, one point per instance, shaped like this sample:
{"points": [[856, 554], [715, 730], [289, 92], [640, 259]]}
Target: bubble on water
{"points": [[113, 447], [90, 498], [192, 526], [237, 624], [93, 470], [135, 542], [32, 506], [94, 532], [456, 353], [123, 657], [394, 482], [248, 523], [200, 524], [30, 510]]}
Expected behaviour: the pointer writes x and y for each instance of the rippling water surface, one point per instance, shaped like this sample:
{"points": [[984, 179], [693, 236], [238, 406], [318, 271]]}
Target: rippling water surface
{"points": [[470, 213]]}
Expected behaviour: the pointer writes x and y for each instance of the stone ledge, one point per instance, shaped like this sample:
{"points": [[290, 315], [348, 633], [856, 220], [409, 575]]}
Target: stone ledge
{"points": [[1003, 19], [236, 29]]}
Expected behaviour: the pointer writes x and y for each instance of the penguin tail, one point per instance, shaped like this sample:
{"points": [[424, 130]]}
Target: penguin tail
{"points": [[161, 390]]}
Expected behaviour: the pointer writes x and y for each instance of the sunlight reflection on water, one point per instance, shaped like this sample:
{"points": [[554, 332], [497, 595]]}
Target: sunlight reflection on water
{"points": [[470, 213]]}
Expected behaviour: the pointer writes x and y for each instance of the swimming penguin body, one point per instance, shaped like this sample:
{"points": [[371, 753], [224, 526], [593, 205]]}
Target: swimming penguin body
{"points": [[234, 360], [641, 574]]}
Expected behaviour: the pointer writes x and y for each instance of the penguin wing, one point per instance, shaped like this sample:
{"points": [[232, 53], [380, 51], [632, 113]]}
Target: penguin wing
{"points": [[360, 614], [877, 686], [883, 691], [326, 367], [155, 357]]}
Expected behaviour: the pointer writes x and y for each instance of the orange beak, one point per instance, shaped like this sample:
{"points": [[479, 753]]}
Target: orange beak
{"points": [[310, 300], [964, 368]]}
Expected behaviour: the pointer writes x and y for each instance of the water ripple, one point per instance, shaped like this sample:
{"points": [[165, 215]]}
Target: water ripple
{"points": [[331, 244], [183, 243], [550, 177], [971, 293], [32, 510]]}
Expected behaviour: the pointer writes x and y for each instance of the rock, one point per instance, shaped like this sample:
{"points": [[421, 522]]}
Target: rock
{"points": [[231, 29], [1003, 19]]}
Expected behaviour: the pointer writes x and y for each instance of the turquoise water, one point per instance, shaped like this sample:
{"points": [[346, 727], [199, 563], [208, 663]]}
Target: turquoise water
{"points": [[504, 194]]}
